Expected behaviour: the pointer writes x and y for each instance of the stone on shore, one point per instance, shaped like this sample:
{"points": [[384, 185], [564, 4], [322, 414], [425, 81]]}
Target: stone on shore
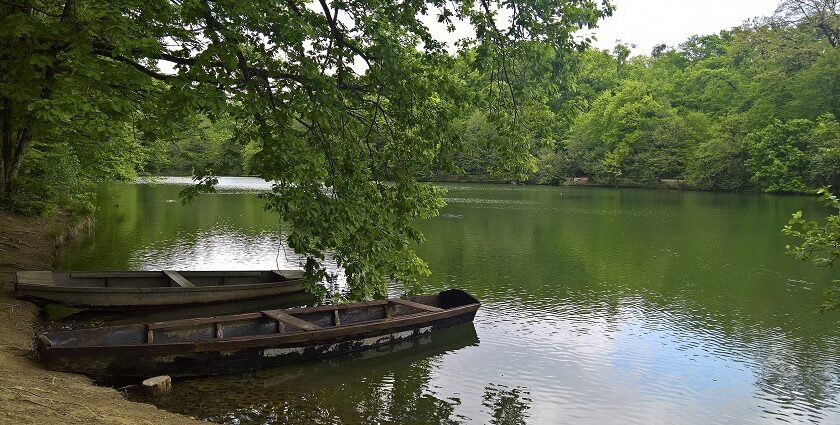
{"points": [[157, 385]]}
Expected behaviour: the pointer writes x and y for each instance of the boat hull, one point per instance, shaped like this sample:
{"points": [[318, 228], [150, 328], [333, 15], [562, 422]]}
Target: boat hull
{"points": [[225, 357], [40, 287]]}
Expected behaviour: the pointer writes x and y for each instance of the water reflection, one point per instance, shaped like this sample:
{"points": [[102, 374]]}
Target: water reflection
{"points": [[391, 384], [599, 306], [509, 405]]}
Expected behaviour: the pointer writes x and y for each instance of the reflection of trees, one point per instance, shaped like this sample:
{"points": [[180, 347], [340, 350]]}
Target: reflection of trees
{"points": [[698, 264], [798, 378], [134, 216], [509, 405], [390, 384]]}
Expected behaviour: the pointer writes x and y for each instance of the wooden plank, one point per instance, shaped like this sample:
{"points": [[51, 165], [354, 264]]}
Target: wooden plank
{"points": [[100, 275], [302, 310], [331, 332], [178, 279], [221, 273], [289, 274], [419, 306], [185, 323], [35, 278], [291, 320], [336, 319], [322, 308]]}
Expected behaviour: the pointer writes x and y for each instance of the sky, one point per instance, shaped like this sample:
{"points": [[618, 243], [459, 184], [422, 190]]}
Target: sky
{"points": [[647, 23]]}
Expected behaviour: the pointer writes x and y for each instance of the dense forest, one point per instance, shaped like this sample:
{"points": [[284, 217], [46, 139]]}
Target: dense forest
{"points": [[754, 107], [751, 108]]}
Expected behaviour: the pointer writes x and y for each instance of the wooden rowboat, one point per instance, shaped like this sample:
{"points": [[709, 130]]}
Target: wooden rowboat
{"points": [[237, 343], [145, 289]]}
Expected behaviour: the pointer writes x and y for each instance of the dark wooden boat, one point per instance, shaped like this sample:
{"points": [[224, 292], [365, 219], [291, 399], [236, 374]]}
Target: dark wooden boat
{"points": [[237, 343], [147, 289]]}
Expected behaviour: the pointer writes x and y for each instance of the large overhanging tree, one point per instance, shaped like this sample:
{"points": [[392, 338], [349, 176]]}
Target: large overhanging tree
{"points": [[348, 99]]}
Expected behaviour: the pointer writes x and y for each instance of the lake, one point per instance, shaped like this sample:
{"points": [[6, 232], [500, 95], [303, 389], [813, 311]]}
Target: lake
{"points": [[599, 306]]}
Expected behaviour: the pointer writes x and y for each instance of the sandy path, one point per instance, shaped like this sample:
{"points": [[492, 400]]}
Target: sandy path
{"points": [[30, 394]]}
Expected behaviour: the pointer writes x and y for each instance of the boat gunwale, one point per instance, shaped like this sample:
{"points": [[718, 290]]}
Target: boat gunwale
{"points": [[139, 274], [155, 289]]}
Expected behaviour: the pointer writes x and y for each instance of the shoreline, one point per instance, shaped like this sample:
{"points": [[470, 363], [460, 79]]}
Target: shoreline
{"points": [[30, 394], [666, 185]]}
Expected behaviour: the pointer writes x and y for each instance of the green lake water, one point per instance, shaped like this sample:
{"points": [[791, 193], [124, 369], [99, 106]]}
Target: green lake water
{"points": [[599, 306]]}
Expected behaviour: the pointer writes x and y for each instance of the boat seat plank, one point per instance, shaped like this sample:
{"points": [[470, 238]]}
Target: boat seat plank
{"points": [[35, 278], [291, 320], [289, 274], [199, 321], [416, 305], [178, 279], [101, 275]]}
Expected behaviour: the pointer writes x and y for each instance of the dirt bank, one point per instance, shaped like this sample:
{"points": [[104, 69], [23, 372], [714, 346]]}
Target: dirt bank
{"points": [[30, 394]]}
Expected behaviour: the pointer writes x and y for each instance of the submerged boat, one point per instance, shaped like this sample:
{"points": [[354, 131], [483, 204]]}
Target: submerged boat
{"points": [[148, 289], [242, 342]]}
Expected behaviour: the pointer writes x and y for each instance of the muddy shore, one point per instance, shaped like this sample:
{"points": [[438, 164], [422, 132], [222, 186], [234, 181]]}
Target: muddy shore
{"points": [[30, 394]]}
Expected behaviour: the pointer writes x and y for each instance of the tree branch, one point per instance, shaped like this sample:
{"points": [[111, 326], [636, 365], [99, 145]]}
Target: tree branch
{"points": [[30, 7], [339, 36], [152, 73]]}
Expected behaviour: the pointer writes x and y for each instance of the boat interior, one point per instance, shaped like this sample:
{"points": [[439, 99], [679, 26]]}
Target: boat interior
{"points": [[269, 322], [156, 279]]}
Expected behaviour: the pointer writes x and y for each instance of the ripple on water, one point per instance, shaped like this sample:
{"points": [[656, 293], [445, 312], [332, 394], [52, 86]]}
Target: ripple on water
{"points": [[599, 307]]}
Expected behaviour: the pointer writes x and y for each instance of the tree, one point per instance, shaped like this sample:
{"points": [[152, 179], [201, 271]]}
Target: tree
{"points": [[700, 47], [343, 96], [777, 161], [822, 15], [824, 152], [718, 162], [199, 145], [817, 88], [631, 134]]}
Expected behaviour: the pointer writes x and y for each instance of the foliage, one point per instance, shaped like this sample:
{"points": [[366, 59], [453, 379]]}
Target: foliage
{"points": [[199, 146], [631, 134], [718, 164], [734, 110], [777, 156], [349, 105], [819, 241], [345, 105], [823, 16], [50, 179], [824, 152]]}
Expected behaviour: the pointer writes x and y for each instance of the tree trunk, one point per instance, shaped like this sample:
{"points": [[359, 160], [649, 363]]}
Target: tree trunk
{"points": [[17, 159], [15, 139], [14, 147], [5, 140], [157, 385], [830, 34]]}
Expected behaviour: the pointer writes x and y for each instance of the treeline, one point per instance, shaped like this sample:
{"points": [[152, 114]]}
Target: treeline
{"points": [[750, 108]]}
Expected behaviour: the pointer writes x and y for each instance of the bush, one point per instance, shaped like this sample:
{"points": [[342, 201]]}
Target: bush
{"points": [[50, 178], [718, 165]]}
